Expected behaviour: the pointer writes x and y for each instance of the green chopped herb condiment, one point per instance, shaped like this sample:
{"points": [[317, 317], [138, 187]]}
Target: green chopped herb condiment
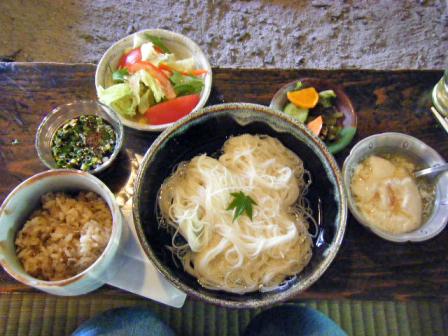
{"points": [[83, 143]]}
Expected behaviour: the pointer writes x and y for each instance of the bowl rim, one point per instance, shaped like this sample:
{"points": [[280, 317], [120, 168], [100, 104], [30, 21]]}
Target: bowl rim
{"points": [[335, 147], [396, 238], [168, 34], [119, 134], [276, 296], [117, 224]]}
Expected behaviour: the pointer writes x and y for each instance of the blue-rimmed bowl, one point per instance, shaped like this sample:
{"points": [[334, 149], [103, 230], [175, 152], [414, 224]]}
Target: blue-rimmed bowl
{"points": [[26, 198], [205, 132]]}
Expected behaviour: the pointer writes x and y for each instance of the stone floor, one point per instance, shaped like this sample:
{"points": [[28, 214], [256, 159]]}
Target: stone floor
{"points": [[376, 34]]}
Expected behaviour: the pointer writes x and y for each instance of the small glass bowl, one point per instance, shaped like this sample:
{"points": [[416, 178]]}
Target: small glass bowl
{"points": [[406, 145], [61, 114]]}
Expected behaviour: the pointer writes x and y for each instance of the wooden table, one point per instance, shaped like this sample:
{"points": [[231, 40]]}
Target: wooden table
{"points": [[366, 266]]}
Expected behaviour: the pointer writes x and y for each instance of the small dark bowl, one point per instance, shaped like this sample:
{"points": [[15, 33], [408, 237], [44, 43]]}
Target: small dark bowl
{"points": [[342, 102], [205, 132]]}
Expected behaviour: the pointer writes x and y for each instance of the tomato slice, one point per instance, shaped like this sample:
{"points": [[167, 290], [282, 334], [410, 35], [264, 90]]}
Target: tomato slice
{"points": [[133, 56], [171, 110], [157, 74]]}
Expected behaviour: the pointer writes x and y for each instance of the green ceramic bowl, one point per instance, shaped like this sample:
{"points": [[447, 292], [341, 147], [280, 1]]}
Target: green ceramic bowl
{"points": [[205, 132], [342, 102]]}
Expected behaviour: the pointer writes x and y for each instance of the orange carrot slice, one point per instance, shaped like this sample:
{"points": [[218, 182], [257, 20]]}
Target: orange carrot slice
{"points": [[198, 72], [304, 98], [195, 72], [315, 125]]}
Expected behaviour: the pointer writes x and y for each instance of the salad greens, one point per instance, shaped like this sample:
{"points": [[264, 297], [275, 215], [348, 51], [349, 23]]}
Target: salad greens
{"points": [[147, 75], [157, 41], [120, 97], [119, 75], [185, 85]]}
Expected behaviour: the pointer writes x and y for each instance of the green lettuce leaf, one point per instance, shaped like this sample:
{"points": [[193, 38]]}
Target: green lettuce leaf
{"points": [[185, 65], [146, 90], [120, 75], [185, 85], [153, 84], [146, 101], [120, 98], [157, 41]]}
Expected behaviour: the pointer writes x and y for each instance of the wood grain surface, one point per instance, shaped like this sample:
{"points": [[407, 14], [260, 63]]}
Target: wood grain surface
{"points": [[366, 266]]}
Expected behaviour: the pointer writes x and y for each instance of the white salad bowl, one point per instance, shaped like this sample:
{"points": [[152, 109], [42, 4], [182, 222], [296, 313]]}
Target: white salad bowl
{"points": [[179, 44], [397, 143]]}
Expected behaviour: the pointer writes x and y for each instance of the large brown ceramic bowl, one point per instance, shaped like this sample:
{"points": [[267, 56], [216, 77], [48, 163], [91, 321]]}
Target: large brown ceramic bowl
{"points": [[205, 132]]}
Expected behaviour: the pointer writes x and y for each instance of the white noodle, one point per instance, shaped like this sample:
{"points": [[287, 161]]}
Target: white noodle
{"points": [[243, 255]]}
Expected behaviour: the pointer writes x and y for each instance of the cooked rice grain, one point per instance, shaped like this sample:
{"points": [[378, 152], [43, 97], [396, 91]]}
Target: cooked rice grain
{"points": [[65, 236]]}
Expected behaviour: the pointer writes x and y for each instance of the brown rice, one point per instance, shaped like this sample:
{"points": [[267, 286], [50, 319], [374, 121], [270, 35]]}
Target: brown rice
{"points": [[65, 236]]}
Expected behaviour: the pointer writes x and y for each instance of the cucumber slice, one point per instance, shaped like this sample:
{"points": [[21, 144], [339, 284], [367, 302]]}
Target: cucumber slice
{"points": [[299, 113]]}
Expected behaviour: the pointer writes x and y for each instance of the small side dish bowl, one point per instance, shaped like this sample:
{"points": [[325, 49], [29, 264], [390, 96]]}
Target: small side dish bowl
{"points": [[25, 198], [179, 44], [343, 104], [418, 152], [61, 114], [206, 132]]}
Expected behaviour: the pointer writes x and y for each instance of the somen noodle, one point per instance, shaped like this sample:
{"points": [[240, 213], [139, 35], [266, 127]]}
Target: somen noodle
{"points": [[241, 255]]}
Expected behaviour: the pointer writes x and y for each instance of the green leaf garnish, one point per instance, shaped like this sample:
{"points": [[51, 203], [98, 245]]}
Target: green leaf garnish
{"points": [[299, 85], [118, 75], [157, 41], [185, 85], [242, 204]]}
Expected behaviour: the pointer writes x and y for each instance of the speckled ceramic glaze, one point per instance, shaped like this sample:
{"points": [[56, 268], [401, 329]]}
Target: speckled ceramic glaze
{"points": [[403, 144], [205, 132], [25, 198], [342, 103], [179, 44]]}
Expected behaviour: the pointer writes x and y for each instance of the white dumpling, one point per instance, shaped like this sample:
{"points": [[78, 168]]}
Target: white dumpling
{"points": [[387, 196]]}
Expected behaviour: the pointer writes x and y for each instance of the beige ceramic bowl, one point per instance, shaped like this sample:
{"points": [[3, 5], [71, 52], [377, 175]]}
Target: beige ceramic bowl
{"points": [[19, 205], [179, 44], [403, 144]]}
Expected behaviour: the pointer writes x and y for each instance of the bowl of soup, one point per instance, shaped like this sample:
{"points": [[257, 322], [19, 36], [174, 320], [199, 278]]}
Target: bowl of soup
{"points": [[383, 194]]}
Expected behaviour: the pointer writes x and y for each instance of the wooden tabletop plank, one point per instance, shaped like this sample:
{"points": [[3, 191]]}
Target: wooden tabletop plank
{"points": [[366, 267]]}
